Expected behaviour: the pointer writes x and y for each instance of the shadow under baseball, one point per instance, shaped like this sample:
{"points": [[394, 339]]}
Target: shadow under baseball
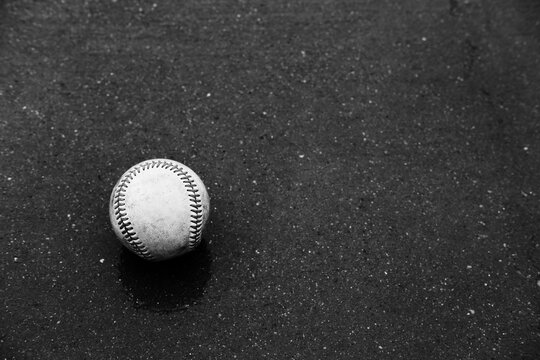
{"points": [[167, 286]]}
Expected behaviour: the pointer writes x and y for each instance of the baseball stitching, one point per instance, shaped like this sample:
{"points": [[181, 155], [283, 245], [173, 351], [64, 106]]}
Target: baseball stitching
{"points": [[122, 218]]}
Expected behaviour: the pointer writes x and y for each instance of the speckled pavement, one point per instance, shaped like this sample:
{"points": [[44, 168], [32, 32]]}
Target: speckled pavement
{"points": [[373, 167]]}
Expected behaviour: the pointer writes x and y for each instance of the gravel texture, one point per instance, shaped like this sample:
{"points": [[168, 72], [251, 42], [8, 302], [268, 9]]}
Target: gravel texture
{"points": [[374, 170]]}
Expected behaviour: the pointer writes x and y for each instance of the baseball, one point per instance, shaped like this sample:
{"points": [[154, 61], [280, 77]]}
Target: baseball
{"points": [[158, 209]]}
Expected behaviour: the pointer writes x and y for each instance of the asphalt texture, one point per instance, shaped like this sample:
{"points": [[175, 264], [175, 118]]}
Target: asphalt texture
{"points": [[373, 168]]}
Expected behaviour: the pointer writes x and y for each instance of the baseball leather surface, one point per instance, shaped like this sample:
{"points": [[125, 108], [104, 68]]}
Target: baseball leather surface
{"points": [[158, 209]]}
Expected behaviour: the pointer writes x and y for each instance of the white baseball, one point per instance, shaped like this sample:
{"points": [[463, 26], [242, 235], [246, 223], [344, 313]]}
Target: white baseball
{"points": [[158, 209]]}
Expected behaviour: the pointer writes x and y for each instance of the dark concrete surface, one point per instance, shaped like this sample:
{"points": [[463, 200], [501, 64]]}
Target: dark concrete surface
{"points": [[374, 169]]}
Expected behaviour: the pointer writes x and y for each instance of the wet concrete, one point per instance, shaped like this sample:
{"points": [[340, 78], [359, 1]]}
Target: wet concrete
{"points": [[374, 170]]}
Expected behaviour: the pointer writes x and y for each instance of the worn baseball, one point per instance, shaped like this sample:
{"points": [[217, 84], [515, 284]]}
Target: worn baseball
{"points": [[158, 209]]}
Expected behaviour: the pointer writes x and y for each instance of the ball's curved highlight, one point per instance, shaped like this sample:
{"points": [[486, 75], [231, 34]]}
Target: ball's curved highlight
{"points": [[158, 209]]}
